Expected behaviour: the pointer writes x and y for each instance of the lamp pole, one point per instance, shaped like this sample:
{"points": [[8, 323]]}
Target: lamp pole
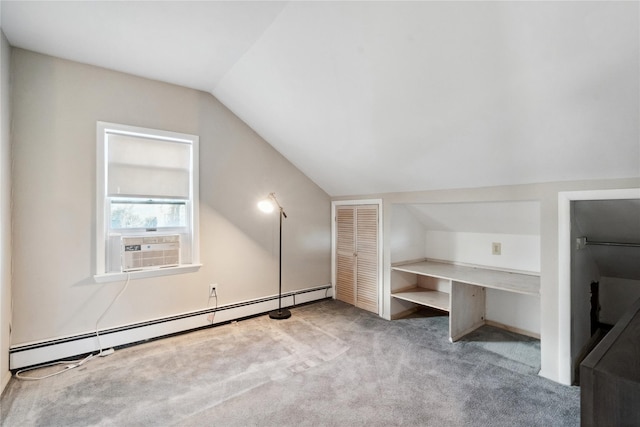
{"points": [[280, 313]]}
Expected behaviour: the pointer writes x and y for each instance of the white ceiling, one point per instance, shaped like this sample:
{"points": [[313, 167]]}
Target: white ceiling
{"points": [[372, 97]]}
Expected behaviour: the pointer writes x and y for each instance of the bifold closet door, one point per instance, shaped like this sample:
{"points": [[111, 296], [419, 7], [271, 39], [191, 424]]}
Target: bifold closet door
{"points": [[345, 254], [357, 256]]}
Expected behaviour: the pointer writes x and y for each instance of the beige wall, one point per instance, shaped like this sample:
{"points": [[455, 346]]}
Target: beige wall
{"points": [[5, 211], [56, 105], [555, 364], [55, 108]]}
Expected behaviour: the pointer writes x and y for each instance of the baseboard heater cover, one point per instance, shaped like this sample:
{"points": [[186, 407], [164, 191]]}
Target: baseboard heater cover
{"points": [[21, 356]]}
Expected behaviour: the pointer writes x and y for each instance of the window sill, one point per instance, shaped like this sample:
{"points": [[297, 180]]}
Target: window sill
{"points": [[143, 274]]}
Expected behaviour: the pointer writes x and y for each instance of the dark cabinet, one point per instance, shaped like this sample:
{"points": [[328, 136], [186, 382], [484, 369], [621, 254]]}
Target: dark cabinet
{"points": [[610, 376]]}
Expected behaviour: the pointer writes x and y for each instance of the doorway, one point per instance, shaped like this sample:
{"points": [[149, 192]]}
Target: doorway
{"points": [[570, 270]]}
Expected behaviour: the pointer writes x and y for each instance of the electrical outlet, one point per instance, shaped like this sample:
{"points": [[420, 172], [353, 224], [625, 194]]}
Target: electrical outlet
{"points": [[496, 248], [212, 290]]}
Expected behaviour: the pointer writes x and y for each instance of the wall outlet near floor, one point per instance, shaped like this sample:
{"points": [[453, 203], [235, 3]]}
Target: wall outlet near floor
{"points": [[496, 248], [213, 292]]}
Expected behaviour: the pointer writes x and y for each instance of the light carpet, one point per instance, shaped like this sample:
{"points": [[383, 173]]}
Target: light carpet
{"points": [[329, 364]]}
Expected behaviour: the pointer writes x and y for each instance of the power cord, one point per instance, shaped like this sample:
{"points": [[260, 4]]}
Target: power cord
{"points": [[109, 351], [71, 364], [211, 317]]}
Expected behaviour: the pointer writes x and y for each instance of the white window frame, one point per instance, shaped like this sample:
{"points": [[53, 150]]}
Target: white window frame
{"points": [[103, 206]]}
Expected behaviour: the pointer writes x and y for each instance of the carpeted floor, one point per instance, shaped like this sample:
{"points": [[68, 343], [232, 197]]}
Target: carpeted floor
{"points": [[329, 364]]}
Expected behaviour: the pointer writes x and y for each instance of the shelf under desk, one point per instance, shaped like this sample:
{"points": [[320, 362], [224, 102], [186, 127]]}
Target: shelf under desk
{"points": [[426, 297]]}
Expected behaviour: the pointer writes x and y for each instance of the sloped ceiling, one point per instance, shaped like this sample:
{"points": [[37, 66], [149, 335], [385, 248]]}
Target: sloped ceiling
{"points": [[374, 97]]}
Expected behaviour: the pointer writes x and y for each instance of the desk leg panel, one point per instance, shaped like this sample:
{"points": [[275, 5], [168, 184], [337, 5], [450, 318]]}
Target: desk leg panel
{"points": [[467, 309]]}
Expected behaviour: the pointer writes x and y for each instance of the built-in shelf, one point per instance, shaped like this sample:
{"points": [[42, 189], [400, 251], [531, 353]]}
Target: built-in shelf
{"points": [[465, 300], [426, 297]]}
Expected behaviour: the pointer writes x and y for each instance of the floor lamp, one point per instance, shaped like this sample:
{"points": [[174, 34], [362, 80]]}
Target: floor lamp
{"points": [[267, 205]]}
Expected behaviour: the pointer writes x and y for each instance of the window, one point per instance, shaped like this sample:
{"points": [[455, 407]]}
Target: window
{"points": [[147, 187], [146, 214]]}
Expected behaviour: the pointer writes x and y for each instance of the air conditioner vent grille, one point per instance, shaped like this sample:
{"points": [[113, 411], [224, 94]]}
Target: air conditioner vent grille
{"points": [[150, 252]]}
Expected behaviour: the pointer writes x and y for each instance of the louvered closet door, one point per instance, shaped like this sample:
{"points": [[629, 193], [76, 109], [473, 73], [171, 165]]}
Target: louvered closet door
{"points": [[357, 256], [367, 258], [345, 254]]}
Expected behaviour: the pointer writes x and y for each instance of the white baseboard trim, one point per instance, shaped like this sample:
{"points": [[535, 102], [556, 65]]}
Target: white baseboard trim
{"points": [[26, 355]]}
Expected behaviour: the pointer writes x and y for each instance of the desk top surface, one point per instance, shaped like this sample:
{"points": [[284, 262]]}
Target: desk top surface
{"points": [[527, 284]]}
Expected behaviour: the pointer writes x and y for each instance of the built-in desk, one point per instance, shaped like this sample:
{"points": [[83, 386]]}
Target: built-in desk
{"points": [[460, 290]]}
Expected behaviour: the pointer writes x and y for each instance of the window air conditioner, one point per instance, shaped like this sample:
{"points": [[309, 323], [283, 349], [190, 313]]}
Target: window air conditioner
{"points": [[150, 252]]}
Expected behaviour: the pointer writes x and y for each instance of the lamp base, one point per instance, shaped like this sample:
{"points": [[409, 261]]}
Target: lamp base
{"points": [[280, 314]]}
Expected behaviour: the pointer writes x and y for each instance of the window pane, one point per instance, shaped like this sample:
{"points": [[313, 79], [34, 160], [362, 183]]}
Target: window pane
{"points": [[154, 213]]}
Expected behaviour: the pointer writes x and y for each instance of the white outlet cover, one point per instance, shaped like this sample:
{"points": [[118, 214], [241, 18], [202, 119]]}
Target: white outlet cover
{"points": [[496, 248]]}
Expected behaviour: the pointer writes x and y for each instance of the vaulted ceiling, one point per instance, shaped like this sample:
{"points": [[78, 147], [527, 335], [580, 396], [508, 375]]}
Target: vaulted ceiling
{"points": [[373, 97]]}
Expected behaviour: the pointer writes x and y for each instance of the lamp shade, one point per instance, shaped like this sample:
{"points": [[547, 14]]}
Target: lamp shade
{"points": [[266, 205]]}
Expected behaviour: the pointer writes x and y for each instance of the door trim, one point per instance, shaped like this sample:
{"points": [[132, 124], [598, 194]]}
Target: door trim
{"points": [[565, 363], [334, 205]]}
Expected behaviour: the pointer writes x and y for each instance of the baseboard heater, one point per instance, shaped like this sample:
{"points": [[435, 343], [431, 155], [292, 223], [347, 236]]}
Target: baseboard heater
{"points": [[21, 356]]}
